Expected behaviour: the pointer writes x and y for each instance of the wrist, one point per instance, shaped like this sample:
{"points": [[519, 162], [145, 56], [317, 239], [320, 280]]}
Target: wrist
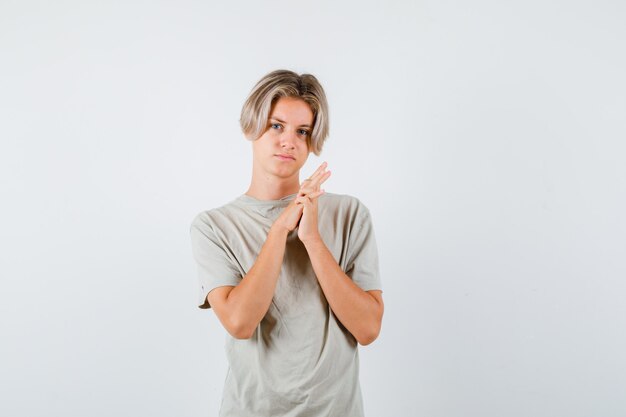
{"points": [[312, 240], [279, 230]]}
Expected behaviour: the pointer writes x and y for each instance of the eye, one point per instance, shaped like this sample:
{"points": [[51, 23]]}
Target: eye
{"points": [[275, 125], [304, 132]]}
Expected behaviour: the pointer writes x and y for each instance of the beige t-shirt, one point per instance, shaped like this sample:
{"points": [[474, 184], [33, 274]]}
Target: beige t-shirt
{"points": [[301, 361]]}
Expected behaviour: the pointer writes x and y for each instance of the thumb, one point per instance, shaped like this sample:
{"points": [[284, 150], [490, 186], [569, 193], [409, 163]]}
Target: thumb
{"points": [[303, 200]]}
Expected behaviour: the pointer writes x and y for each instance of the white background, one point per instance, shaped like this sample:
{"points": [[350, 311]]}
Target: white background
{"points": [[486, 137]]}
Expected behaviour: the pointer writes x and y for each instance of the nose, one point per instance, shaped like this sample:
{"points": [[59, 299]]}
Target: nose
{"points": [[287, 139]]}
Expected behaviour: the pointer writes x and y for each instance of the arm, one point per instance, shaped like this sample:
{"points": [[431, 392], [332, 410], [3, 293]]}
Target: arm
{"points": [[361, 312], [241, 308]]}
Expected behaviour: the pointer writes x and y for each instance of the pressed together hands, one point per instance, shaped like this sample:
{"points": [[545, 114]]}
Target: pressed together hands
{"points": [[302, 211], [241, 308]]}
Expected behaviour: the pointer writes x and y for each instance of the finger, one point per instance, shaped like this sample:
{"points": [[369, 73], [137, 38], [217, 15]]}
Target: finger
{"points": [[303, 191], [317, 172], [311, 195], [307, 190], [309, 187], [315, 184], [323, 178], [315, 194], [311, 198], [302, 200]]}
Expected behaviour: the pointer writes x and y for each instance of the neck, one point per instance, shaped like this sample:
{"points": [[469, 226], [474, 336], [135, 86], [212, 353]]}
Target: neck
{"points": [[268, 191], [269, 187]]}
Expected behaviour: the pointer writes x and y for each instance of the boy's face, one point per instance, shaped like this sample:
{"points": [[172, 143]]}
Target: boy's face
{"points": [[283, 149]]}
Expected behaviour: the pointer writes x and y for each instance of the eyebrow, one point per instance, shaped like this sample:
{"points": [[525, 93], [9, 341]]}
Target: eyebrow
{"points": [[282, 121]]}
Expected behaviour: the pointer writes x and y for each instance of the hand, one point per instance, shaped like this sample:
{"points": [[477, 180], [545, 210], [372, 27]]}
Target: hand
{"points": [[307, 198], [289, 217]]}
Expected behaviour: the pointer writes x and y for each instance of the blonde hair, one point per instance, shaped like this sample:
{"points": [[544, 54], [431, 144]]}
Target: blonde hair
{"points": [[283, 83]]}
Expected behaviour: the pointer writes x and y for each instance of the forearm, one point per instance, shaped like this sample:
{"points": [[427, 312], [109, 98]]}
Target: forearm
{"points": [[356, 309], [249, 301]]}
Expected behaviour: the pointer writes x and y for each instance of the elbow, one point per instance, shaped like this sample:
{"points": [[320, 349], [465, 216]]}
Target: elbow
{"points": [[235, 319], [369, 334], [241, 329], [241, 335], [368, 337]]}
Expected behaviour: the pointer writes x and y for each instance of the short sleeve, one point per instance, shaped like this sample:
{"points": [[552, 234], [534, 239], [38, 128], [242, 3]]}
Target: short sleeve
{"points": [[362, 265], [215, 267]]}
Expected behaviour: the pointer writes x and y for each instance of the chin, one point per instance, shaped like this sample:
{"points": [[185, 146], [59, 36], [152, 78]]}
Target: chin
{"points": [[284, 172]]}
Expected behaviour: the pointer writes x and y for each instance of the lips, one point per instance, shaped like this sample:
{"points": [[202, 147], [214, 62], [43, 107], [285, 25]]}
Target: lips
{"points": [[285, 156]]}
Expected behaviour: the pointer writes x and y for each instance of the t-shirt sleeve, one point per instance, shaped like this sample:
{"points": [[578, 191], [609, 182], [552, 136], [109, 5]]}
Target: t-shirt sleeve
{"points": [[215, 267], [362, 265]]}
